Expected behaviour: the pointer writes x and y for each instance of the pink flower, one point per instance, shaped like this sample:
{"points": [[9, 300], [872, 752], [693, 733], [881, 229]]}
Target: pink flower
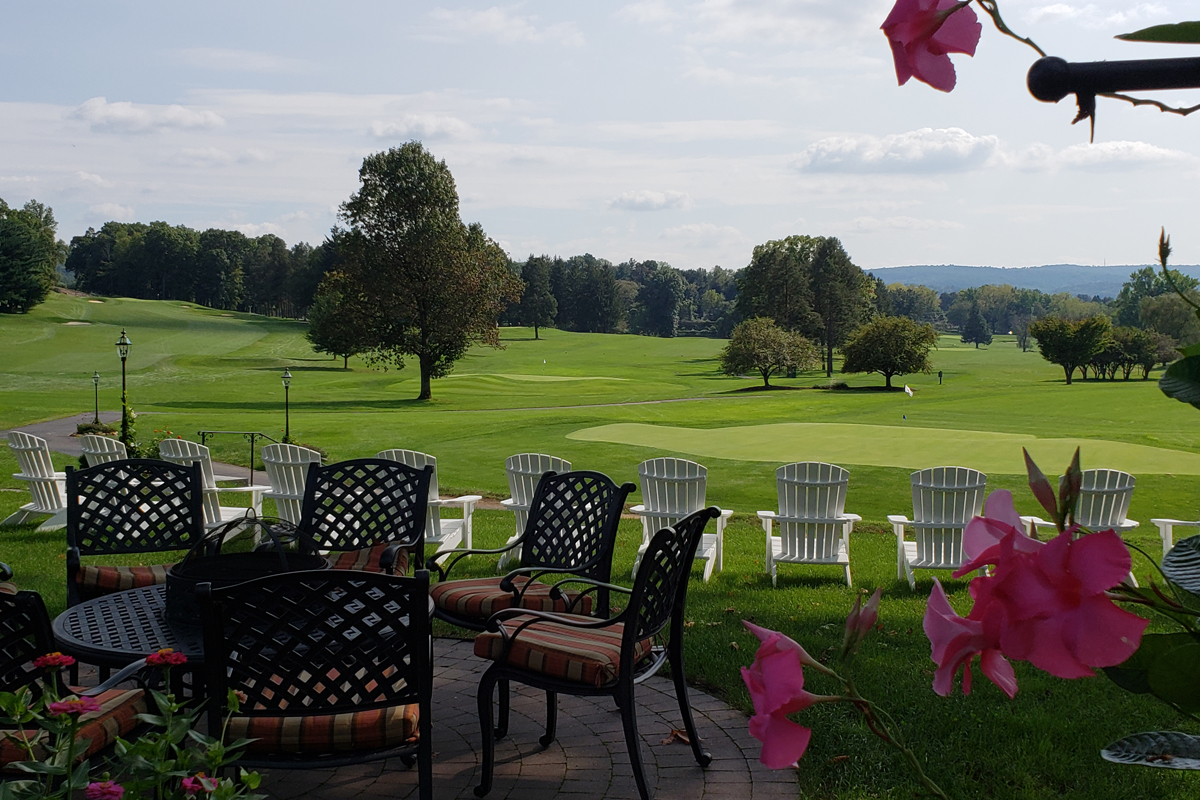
{"points": [[74, 705], [860, 621], [923, 32], [167, 657], [956, 641], [198, 783], [51, 660], [104, 790], [776, 684]]}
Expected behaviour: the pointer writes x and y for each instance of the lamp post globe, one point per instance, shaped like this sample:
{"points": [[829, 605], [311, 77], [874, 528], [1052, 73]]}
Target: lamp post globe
{"points": [[287, 414], [123, 345], [96, 387]]}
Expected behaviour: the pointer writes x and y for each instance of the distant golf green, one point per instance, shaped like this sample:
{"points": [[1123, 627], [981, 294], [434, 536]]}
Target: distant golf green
{"points": [[889, 446]]}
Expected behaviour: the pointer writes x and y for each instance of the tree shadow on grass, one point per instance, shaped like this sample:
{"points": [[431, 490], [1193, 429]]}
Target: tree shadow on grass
{"points": [[274, 405], [756, 389], [330, 368]]}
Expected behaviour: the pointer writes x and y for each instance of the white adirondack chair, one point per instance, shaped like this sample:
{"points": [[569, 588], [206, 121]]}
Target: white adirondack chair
{"points": [[182, 451], [287, 467], [101, 449], [1104, 497], [672, 488], [524, 471], [1166, 529], [945, 499], [813, 525], [445, 533], [47, 488]]}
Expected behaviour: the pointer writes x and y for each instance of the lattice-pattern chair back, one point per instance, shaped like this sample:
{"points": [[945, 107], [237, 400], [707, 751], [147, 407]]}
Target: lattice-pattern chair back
{"points": [[660, 587], [137, 505], [672, 488], [573, 523], [287, 467], [1103, 498], [24, 635], [524, 470], [33, 458], [816, 492], [363, 502], [101, 449], [318, 643], [945, 499], [433, 521]]}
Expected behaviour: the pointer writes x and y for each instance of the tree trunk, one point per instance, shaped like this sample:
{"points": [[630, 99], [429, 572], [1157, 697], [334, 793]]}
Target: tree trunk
{"points": [[766, 373], [426, 390], [829, 349], [887, 377], [345, 362], [535, 331], [1068, 369]]}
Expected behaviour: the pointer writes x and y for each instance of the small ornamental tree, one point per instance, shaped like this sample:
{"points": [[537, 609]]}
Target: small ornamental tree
{"points": [[1071, 345], [975, 330], [760, 344], [337, 324], [890, 346]]}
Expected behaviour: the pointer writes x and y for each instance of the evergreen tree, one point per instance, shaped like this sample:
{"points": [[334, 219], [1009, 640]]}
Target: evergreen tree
{"points": [[975, 328], [538, 307], [29, 256]]}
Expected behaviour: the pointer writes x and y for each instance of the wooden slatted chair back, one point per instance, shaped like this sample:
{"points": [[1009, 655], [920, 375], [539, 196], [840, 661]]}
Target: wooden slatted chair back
{"points": [[672, 488], [945, 499], [287, 467], [814, 492], [1103, 498], [524, 471], [417, 460], [33, 458], [182, 451], [101, 449]]}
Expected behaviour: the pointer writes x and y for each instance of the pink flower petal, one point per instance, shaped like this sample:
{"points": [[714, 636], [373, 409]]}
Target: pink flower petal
{"points": [[959, 33], [784, 741], [999, 671], [1101, 634], [933, 69], [1099, 561]]}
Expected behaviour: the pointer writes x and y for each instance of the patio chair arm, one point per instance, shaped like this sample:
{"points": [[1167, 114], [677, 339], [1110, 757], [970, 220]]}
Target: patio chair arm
{"points": [[532, 573], [463, 501], [126, 673], [512, 505], [592, 586], [6, 573], [461, 554], [898, 522], [256, 488], [574, 620], [387, 559]]}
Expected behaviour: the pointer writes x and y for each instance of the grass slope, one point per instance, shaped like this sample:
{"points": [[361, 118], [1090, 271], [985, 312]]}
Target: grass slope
{"points": [[196, 368]]}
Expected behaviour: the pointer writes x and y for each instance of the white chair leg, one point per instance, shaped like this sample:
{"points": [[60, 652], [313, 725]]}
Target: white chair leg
{"points": [[56, 521], [848, 583], [19, 517], [912, 579], [708, 567]]}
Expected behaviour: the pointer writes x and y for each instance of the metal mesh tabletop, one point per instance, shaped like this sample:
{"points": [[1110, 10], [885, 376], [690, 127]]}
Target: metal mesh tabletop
{"points": [[120, 628]]}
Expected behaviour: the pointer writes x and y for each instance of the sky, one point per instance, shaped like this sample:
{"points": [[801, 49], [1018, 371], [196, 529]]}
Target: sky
{"points": [[685, 132]]}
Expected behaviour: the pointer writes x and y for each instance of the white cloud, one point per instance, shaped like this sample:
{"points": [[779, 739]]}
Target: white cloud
{"points": [[921, 151], [92, 178], [424, 126], [1104, 157], [203, 157], [241, 61], [705, 233], [697, 130], [1092, 15], [253, 229], [502, 25], [869, 224], [18, 179], [646, 200], [125, 117], [114, 211], [649, 12]]}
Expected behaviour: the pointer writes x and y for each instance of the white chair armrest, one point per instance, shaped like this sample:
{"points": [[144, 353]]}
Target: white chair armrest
{"points": [[1169, 522], [462, 500], [766, 514], [726, 513], [256, 489], [899, 519], [639, 509], [512, 505], [852, 517]]}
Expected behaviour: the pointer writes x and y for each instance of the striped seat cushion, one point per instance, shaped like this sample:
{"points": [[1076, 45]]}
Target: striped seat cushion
{"points": [[591, 656], [95, 580], [7, 588], [479, 598], [117, 717], [328, 733], [367, 559]]}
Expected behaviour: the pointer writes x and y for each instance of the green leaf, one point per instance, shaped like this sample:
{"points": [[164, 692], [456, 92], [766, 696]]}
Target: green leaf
{"points": [[1133, 675], [1181, 380], [1182, 564], [1169, 749], [1175, 677], [1191, 350], [1177, 33]]}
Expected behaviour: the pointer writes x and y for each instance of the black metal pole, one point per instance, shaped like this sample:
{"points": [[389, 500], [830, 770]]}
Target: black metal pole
{"points": [[1051, 79], [287, 416], [124, 408], [97, 419]]}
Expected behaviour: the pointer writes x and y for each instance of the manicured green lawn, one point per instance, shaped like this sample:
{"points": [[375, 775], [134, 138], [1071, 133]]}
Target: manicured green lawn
{"points": [[195, 369]]}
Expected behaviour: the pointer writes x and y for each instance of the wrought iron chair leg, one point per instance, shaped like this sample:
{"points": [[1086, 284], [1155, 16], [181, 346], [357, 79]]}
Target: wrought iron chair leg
{"points": [[633, 743], [425, 761], [703, 758], [551, 719], [408, 760], [487, 685], [502, 722]]}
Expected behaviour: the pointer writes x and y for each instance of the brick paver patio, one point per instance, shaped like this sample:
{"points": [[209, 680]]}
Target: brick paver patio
{"points": [[588, 761]]}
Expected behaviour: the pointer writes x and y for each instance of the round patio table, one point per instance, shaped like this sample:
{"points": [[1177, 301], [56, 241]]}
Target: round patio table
{"points": [[117, 629]]}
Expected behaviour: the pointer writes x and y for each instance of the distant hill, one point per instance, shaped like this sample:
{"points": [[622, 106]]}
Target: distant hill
{"points": [[1053, 278]]}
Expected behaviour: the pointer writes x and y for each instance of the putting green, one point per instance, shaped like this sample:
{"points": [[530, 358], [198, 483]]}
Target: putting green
{"points": [[893, 446]]}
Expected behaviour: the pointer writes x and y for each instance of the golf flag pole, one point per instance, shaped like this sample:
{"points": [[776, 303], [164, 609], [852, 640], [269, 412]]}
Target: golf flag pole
{"points": [[908, 390]]}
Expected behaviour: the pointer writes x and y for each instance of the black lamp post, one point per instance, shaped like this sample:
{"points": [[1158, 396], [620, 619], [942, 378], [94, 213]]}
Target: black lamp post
{"points": [[287, 425], [96, 384], [123, 351]]}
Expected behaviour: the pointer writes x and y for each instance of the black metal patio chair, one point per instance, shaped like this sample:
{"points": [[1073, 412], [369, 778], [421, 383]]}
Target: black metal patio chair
{"points": [[335, 665], [571, 531], [579, 655], [25, 635], [137, 505], [369, 513]]}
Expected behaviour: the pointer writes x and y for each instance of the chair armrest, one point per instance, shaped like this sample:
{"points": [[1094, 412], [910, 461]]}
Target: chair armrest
{"points": [[512, 505], [852, 517], [898, 522], [461, 554], [575, 621], [117, 678], [463, 501], [766, 514], [255, 489], [1171, 522], [639, 509]]}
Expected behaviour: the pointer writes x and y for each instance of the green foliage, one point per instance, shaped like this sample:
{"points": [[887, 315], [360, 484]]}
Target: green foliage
{"points": [[29, 256], [1172, 316], [759, 344], [538, 307], [337, 324], [585, 289], [430, 285], [1142, 285], [656, 306], [1071, 345], [975, 329], [918, 303], [890, 346], [776, 283], [96, 428], [840, 296], [1176, 33]]}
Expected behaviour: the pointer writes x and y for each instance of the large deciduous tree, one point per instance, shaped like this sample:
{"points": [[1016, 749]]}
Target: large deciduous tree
{"points": [[538, 307], [1145, 283], [656, 305], [776, 283], [890, 346], [433, 286], [760, 345], [337, 320], [1069, 344], [29, 256], [840, 295]]}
